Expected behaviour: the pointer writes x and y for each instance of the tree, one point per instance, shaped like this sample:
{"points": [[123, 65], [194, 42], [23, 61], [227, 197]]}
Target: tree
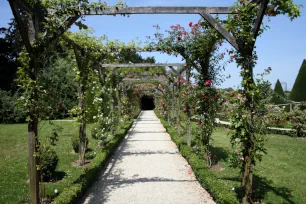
{"points": [[11, 46], [279, 93], [298, 92]]}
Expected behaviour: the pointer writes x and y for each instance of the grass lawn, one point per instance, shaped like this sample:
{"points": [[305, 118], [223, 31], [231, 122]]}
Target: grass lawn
{"points": [[13, 169], [279, 178]]}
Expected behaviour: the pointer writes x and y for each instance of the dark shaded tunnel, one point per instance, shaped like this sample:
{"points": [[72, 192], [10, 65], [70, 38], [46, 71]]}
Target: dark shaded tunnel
{"points": [[147, 102]]}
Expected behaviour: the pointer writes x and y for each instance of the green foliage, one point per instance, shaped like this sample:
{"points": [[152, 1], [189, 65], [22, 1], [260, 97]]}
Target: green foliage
{"points": [[295, 119], [298, 92], [279, 94], [48, 161], [10, 111], [75, 142], [90, 173], [57, 81], [206, 178], [53, 137]]}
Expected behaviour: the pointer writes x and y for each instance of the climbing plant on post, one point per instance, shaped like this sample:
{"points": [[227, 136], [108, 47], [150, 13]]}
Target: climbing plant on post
{"points": [[241, 31], [39, 29], [87, 49]]}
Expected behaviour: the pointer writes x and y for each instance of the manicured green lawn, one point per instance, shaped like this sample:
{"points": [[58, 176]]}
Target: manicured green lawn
{"points": [[14, 151], [279, 178]]}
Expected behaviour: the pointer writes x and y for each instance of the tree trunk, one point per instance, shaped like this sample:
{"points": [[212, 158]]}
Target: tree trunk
{"points": [[82, 129]]}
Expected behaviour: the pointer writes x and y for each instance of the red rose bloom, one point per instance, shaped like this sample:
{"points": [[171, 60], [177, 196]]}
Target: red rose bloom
{"points": [[179, 38], [190, 24], [208, 82]]}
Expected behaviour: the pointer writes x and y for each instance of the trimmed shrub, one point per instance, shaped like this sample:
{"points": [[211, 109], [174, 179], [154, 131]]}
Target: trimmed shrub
{"points": [[279, 94], [298, 92], [48, 162]]}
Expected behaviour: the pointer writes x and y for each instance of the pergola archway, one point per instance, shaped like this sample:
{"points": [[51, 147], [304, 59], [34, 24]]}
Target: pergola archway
{"points": [[30, 30], [147, 102]]}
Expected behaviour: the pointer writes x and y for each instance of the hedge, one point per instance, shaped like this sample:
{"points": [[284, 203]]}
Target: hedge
{"points": [[72, 193], [298, 92], [206, 178]]}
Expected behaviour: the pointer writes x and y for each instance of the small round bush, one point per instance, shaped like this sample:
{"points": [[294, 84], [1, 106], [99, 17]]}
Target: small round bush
{"points": [[48, 162], [75, 141]]}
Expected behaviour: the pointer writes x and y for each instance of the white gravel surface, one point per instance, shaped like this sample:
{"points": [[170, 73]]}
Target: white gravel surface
{"points": [[147, 168]]}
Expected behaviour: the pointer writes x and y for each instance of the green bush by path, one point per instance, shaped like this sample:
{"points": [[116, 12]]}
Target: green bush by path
{"points": [[206, 178], [14, 151], [298, 92], [90, 173], [279, 178], [14, 187]]}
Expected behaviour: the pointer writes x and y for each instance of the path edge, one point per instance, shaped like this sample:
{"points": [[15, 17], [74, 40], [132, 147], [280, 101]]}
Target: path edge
{"points": [[72, 193], [205, 177]]}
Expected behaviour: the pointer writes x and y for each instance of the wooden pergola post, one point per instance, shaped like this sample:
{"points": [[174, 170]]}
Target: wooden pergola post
{"points": [[29, 35], [246, 51], [82, 62], [188, 130]]}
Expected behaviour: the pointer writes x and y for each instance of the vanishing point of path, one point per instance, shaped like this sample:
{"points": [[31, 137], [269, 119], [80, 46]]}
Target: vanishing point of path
{"points": [[147, 168]]}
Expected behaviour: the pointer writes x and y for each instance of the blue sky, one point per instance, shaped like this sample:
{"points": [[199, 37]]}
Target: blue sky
{"points": [[282, 47]]}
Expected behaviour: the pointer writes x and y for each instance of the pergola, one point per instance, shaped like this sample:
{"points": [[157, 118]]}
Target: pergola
{"points": [[29, 30]]}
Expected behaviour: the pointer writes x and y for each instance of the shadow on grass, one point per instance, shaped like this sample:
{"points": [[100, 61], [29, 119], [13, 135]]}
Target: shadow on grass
{"points": [[56, 176], [262, 186]]}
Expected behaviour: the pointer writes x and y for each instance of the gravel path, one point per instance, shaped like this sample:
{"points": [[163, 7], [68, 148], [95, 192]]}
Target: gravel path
{"points": [[147, 168]]}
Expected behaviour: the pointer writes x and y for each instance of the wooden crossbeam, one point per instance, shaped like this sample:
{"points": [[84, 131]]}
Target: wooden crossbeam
{"points": [[142, 65], [158, 10], [260, 16], [145, 79], [220, 28], [21, 26]]}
